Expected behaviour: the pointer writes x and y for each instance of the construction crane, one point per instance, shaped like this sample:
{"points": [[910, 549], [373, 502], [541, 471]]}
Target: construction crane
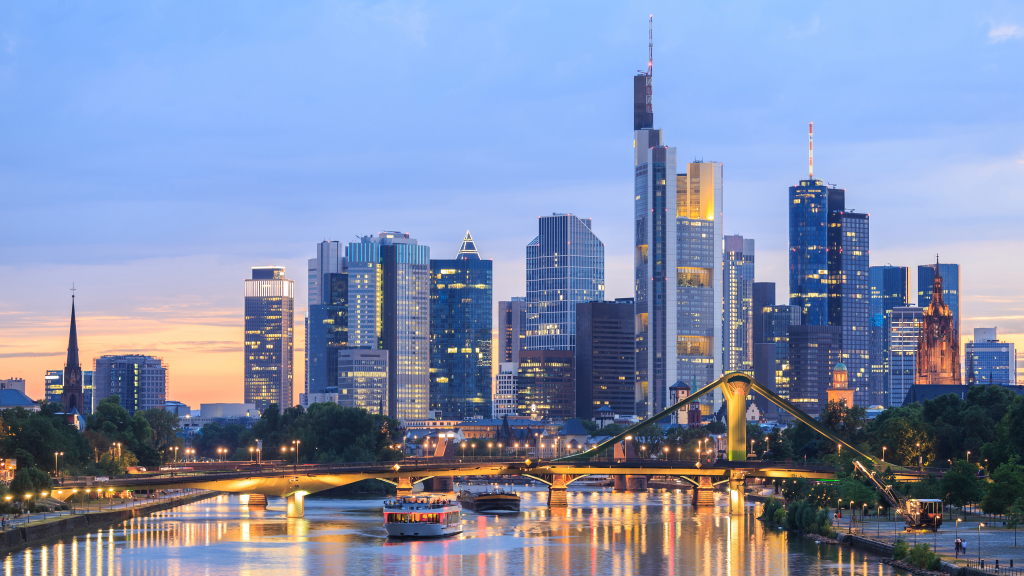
{"points": [[918, 513]]}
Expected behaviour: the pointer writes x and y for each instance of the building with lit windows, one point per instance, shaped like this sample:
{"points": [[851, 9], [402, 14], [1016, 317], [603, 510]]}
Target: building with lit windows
{"points": [[511, 329], [777, 322], [808, 251], [389, 309], [890, 288], [938, 352], [363, 379], [564, 266], [326, 333], [738, 304], [460, 334], [813, 351], [987, 360], [504, 396], [54, 388], [903, 324], [545, 385], [605, 349], [269, 349], [140, 382], [855, 298], [950, 287]]}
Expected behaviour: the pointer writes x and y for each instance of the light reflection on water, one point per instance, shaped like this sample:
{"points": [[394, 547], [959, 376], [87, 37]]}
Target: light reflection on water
{"points": [[600, 533]]}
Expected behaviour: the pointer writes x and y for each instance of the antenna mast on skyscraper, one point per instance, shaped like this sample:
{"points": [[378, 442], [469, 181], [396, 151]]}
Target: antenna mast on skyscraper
{"points": [[650, 61], [810, 149]]}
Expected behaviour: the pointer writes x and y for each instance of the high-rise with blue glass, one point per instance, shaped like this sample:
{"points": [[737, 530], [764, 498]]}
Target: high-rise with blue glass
{"points": [[460, 334], [890, 288], [950, 287], [389, 309], [987, 360], [564, 267]]}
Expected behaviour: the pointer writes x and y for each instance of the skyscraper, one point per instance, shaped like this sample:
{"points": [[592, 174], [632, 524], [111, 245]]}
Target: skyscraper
{"points": [[363, 379], [328, 260], [808, 251], [139, 381], [389, 309], [763, 300], [460, 334], [72, 398], [737, 320], [511, 329], [903, 325], [987, 360], [890, 287], [545, 385], [504, 396], [605, 350], [326, 333], [813, 352], [269, 318], [677, 223], [777, 322], [856, 303], [564, 266], [950, 286]]}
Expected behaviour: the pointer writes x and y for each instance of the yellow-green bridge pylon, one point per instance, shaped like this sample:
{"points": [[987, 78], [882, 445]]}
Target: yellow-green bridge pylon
{"points": [[736, 386]]}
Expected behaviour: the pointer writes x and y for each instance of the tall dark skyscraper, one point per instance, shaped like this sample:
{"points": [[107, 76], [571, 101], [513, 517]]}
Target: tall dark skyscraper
{"points": [[828, 265], [738, 303], [511, 329], [764, 349], [269, 318], [545, 385], [890, 288], [326, 333], [813, 351], [605, 350], [72, 397], [460, 334]]}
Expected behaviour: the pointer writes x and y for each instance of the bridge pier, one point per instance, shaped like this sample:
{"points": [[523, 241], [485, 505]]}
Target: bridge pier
{"points": [[704, 492], [636, 483], [620, 482], [404, 486], [737, 492], [296, 505], [254, 500], [556, 492], [443, 484]]}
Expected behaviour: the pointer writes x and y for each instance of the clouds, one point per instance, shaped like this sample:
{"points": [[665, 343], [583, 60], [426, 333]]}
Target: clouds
{"points": [[1004, 32]]}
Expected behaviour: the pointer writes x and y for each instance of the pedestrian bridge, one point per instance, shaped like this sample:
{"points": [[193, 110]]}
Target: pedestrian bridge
{"points": [[296, 481]]}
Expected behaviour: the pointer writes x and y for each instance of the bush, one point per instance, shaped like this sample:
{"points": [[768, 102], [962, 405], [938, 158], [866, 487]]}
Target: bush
{"points": [[901, 549], [923, 557], [779, 517], [806, 517], [771, 509]]}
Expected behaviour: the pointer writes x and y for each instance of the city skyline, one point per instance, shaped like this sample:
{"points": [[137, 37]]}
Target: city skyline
{"points": [[178, 298]]}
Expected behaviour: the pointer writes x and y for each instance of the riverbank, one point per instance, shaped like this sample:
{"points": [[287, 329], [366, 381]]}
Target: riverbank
{"points": [[57, 527]]}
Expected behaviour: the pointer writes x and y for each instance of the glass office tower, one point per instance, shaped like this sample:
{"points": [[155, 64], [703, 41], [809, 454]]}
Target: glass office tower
{"points": [[269, 317], [511, 329], [389, 309], [987, 360], [564, 266], [363, 379], [856, 304], [140, 382], [605, 367], [890, 288], [808, 254], [903, 325], [737, 320], [460, 334], [326, 333]]}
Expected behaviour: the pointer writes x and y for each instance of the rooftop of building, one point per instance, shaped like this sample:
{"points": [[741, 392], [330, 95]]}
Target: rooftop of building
{"points": [[11, 398]]}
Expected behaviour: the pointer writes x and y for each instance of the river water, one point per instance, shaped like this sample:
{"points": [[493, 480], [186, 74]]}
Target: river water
{"points": [[601, 533]]}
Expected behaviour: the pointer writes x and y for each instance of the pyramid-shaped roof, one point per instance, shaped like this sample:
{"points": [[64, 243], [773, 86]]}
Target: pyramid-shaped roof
{"points": [[468, 249]]}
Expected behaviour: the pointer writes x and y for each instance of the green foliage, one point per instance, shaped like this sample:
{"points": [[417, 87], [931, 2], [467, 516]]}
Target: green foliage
{"points": [[922, 556], [806, 517], [610, 430], [33, 437], [166, 426], [590, 426], [1007, 486], [30, 480], [326, 433], [716, 427], [110, 424], [1015, 513], [960, 484], [901, 549], [771, 507]]}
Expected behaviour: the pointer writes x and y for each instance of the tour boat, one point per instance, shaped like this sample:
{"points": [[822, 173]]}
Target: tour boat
{"points": [[490, 501], [422, 516]]}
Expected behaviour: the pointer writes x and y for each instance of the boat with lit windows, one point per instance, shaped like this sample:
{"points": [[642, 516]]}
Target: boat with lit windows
{"points": [[422, 516], [490, 501]]}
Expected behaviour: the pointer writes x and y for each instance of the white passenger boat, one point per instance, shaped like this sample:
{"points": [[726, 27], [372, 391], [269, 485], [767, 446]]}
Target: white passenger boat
{"points": [[422, 516]]}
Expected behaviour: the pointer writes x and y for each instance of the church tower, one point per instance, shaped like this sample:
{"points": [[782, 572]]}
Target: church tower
{"points": [[938, 350], [71, 396]]}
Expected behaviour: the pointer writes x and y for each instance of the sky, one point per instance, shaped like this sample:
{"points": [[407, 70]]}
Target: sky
{"points": [[153, 152]]}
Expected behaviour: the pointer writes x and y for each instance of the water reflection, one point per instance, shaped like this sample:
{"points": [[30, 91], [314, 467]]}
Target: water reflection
{"points": [[600, 533]]}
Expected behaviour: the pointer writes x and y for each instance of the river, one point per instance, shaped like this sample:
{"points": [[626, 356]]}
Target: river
{"points": [[601, 533]]}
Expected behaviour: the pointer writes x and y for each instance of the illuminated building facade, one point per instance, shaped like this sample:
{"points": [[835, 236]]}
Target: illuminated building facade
{"points": [[140, 382], [363, 379], [777, 322], [545, 385], [813, 351], [564, 266], [840, 392], [326, 333], [460, 334], [987, 360], [890, 288], [808, 250], [950, 286], [505, 392], [511, 329], [938, 351], [269, 348], [54, 388], [605, 349], [738, 316], [855, 299], [903, 325], [389, 309]]}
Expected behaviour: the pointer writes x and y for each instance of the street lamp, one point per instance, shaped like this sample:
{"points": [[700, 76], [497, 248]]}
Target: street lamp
{"points": [[883, 453], [920, 458], [296, 448], [956, 533], [679, 450], [980, 524], [666, 452], [489, 446], [251, 451], [642, 448], [27, 513], [968, 455]]}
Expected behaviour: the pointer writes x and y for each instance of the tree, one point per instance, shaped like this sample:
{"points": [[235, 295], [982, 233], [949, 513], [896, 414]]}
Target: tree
{"points": [[30, 480], [590, 426], [1006, 488], [110, 424], [960, 484], [166, 426], [33, 437]]}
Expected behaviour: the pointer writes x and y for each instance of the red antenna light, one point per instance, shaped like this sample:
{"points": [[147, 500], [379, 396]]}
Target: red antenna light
{"points": [[810, 149]]}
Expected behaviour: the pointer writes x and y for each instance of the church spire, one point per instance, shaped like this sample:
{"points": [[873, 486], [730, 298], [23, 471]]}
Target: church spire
{"points": [[71, 395], [73, 362]]}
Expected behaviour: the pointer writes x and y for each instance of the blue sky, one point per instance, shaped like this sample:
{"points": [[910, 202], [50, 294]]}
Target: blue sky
{"points": [[154, 151]]}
